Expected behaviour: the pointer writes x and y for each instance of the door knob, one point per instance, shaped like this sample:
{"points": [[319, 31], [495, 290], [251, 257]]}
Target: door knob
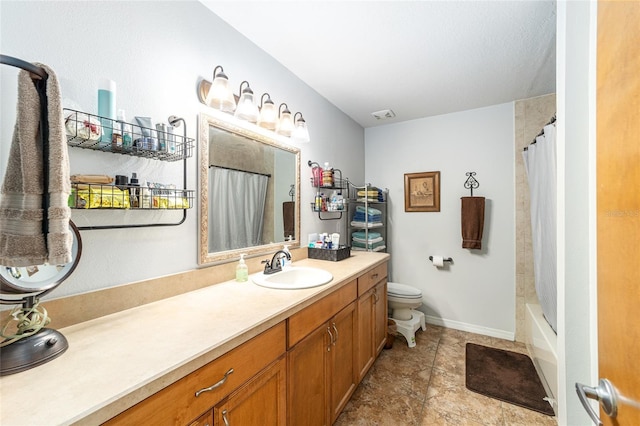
{"points": [[605, 393]]}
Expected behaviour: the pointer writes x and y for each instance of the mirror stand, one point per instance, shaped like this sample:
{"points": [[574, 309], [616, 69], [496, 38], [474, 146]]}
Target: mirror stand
{"points": [[28, 352], [33, 344]]}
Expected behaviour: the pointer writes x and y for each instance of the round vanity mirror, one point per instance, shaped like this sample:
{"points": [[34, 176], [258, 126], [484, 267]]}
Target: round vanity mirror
{"points": [[18, 282], [33, 344]]}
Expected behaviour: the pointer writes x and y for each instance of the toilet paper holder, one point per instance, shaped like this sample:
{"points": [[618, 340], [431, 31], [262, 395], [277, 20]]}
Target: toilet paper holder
{"points": [[446, 259]]}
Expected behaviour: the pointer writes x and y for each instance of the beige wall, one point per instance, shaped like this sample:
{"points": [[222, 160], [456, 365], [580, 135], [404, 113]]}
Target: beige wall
{"points": [[530, 117]]}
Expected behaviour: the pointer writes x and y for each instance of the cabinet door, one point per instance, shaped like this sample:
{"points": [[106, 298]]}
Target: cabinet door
{"points": [[365, 347], [262, 401], [380, 316], [307, 394], [204, 420], [343, 374]]}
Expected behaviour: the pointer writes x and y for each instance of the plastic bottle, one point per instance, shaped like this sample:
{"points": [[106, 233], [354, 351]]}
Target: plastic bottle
{"points": [[134, 191], [333, 204], [126, 131], [145, 196], [327, 175], [242, 271], [107, 109], [283, 260]]}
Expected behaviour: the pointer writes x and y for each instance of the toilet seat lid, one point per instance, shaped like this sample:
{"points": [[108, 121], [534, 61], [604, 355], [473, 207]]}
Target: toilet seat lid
{"points": [[403, 290]]}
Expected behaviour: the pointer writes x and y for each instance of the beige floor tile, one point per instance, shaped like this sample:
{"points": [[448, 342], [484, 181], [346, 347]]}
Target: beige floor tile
{"points": [[518, 416], [425, 386]]}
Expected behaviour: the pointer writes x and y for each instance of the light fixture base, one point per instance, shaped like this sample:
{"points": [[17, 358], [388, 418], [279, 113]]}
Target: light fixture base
{"points": [[26, 353]]}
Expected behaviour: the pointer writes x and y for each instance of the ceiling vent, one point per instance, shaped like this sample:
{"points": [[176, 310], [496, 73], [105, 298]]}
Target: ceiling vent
{"points": [[384, 114]]}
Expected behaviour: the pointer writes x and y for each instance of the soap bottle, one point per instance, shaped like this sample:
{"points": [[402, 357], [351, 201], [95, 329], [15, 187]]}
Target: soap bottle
{"points": [[283, 260], [242, 271]]}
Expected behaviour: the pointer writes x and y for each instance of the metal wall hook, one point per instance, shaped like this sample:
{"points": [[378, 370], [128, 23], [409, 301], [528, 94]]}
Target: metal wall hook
{"points": [[471, 183]]}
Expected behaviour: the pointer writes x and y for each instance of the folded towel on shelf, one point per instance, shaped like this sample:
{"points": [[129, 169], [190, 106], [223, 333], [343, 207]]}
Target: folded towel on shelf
{"points": [[363, 235], [22, 242], [361, 217], [369, 210], [365, 241], [379, 247], [362, 224], [472, 222]]}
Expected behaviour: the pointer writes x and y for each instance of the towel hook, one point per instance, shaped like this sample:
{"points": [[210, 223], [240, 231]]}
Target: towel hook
{"points": [[471, 182]]}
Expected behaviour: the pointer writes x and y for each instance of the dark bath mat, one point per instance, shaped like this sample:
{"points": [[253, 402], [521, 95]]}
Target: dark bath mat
{"points": [[505, 375]]}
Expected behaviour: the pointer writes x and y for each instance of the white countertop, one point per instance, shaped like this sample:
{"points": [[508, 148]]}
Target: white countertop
{"points": [[115, 361]]}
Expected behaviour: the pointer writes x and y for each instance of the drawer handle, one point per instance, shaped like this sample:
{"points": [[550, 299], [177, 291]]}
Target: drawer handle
{"points": [[215, 385], [336, 330], [224, 418], [374, 276], [331, 341], [375, 296]]}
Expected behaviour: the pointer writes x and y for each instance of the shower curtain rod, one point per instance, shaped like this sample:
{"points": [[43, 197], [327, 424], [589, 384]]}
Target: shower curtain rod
{"points": [[551, 121], [240, 170]]}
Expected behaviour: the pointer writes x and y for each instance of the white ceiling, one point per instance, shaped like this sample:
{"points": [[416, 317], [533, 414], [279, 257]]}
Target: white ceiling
{"points": [[417, 58]]}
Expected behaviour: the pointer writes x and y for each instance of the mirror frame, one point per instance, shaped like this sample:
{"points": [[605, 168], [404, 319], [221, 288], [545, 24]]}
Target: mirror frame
{"points": [[230, 124]]}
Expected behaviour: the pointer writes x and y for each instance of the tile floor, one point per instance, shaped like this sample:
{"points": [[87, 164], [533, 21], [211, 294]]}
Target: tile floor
{"points": [[424, 386]]}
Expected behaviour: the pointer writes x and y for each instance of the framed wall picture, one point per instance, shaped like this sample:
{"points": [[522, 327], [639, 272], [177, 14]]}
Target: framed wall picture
{"points": [[422, 192]]}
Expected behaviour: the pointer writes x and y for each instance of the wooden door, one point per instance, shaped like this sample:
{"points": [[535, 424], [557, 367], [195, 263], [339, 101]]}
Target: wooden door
{"points": [[618, 203], [307, 386], [380, 316], [343, 374], [366, 321], [262, 401]]}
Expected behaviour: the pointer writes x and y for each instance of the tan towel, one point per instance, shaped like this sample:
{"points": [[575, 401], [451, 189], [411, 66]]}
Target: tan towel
{"points": [[472, 222], [21, 240]]}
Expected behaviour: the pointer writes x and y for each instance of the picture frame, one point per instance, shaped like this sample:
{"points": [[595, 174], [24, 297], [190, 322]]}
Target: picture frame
{"points": [[422, 192]]}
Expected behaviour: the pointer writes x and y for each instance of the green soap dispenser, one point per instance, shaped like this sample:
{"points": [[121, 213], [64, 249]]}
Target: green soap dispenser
{"points": [[242, 271]]}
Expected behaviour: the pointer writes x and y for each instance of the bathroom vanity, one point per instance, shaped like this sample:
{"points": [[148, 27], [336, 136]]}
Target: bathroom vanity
{"points": [[223, 354]]}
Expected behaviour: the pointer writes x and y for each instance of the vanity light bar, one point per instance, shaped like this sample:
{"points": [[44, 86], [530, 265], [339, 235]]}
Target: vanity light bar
{"points": [[219, 95]]}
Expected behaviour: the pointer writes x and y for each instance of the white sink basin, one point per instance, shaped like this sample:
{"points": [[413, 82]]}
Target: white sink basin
{"points": [[293, 278]]}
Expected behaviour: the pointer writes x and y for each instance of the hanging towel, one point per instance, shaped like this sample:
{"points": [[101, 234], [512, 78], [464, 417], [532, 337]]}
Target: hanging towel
{"points": [[288, 216], [21, 240], [472, 222]]}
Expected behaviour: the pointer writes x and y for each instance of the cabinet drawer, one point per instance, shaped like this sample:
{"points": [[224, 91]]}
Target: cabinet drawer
{"points": [[371, 278], [177, 403], [310, 318]]}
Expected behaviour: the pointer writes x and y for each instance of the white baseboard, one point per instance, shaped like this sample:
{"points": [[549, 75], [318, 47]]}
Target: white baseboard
{"points": [[471, 328]]}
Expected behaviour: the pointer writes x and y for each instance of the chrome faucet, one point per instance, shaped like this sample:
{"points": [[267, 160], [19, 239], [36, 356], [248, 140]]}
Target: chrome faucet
{"points": [[273, 266]]}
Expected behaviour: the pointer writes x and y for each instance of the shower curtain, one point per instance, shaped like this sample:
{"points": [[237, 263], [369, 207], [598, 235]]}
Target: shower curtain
{"points": [[540, 165], [236, 208]]}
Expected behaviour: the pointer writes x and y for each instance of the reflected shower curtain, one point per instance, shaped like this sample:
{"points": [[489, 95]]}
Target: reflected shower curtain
{"points": [[236, 208], [540, 164]]}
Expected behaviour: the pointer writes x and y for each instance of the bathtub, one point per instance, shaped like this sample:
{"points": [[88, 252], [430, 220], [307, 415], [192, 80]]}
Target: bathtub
{"points": [[542, 346]]}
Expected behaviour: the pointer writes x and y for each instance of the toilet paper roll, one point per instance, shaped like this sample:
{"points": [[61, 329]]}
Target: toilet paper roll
{"points": [[438, 261]]}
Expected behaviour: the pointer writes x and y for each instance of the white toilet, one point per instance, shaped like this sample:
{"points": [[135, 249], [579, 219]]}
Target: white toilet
{"points": [[403, 301]]}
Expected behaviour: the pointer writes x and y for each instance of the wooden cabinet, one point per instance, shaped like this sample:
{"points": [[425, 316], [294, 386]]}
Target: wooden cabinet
{"points": [[194, 394], [372, 318], [342, 372], [204, 420], [322, 372], [260, 402], [300, 372]]}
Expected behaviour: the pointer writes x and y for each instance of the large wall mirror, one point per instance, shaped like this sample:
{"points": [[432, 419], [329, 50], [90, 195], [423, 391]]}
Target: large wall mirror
{"points": [[249, 191]]}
